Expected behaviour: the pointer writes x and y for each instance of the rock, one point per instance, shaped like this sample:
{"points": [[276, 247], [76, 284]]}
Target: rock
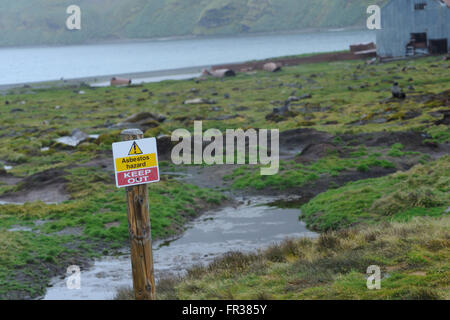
{"points": [[141, 120], [164, 144], [305, 96], [272, 67], [226, 96], [293, 98], [141, 116], [397, 92], [15, 110], [379, 120], [225, 117], [57, 107], [81, 92], [6, 102], [199, 101], [411, 115], [194, 90], [281, 114], [219, 73], [445, 120]]}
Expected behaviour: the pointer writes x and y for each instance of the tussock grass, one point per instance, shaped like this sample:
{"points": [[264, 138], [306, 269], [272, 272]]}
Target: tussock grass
{"points": [[413, 257]]}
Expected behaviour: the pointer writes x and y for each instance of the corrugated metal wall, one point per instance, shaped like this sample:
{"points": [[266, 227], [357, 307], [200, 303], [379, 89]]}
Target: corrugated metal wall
{"points": [[399, 19]]}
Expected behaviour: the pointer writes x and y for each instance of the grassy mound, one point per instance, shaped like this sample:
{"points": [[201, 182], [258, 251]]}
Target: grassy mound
{"points": [[423, 190]]}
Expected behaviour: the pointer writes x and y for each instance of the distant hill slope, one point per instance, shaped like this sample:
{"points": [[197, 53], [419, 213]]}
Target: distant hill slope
{"points": [[25, 22]]}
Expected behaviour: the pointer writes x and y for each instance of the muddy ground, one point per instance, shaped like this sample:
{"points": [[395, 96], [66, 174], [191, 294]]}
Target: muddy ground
{"points": [[258, 65], [302, 145]]}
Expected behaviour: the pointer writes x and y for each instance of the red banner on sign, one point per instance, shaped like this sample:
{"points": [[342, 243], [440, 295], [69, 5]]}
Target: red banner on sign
{"points": [[134, 177]]}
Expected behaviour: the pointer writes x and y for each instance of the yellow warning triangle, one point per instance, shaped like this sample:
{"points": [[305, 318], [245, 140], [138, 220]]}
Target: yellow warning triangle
{"points": [[135, 149]]}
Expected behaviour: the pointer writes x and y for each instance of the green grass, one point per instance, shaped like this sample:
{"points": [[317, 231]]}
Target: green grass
{"points": [[413, 258], [424, 190], [96, 205], [293, 174], [95, 202]]}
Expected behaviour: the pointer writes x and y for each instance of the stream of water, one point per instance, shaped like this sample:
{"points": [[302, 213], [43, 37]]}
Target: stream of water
{"points": [[250, 226]]}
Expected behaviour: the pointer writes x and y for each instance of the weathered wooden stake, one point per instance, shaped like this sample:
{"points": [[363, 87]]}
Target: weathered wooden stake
{"points": [[140, 233]]}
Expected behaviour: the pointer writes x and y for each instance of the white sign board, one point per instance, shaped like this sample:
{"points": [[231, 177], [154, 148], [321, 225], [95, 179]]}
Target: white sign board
{"points": [[135, 162]]}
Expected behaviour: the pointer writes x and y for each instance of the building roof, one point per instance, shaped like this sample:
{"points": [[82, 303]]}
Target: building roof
{"points": [[447, 2]]}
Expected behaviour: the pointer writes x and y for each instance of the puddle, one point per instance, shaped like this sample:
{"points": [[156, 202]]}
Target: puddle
{"points": [[20, 228], [246, 228], [6, 166], [22, 203]]}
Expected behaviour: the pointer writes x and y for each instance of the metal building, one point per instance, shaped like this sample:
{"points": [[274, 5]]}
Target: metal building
{"points": [[410, 27]]}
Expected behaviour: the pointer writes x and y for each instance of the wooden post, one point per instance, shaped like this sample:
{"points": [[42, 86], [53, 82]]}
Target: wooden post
{"points": [[140, 233]]}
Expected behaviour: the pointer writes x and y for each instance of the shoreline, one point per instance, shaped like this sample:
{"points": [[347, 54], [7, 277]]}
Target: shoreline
{"points": [[96, 81], [183, 73]]}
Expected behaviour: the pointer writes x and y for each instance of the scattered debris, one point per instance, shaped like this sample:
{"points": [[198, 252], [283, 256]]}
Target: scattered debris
{"points": [[199, 101], [371, 61], [219, 73], [272, 67], [76, 138], [141, 120], [293, 98], [120, 81], [364, 49]]}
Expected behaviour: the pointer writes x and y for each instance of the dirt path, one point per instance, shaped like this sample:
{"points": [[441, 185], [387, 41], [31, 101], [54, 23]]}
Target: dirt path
{"points": [[258, 65]]}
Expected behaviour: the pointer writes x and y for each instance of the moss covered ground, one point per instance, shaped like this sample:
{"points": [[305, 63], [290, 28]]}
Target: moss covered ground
{"points": [[347, 98]]}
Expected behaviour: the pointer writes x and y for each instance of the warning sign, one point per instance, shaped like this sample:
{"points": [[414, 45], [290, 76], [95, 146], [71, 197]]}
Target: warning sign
{"points": [[134, 149], [135, 162]]}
